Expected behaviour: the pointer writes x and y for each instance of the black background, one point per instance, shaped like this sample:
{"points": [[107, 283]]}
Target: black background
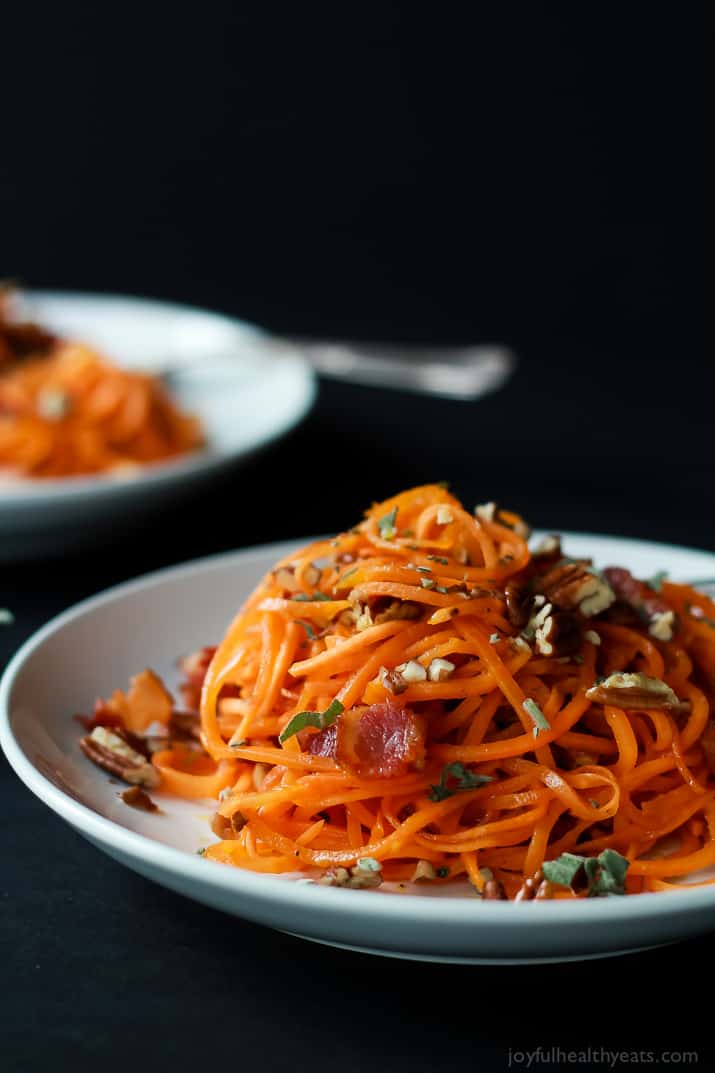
{"points": [[535, 175]]}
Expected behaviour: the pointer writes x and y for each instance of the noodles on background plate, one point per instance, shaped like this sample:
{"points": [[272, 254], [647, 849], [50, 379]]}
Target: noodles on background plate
{"points": [[65, 410], [424, 699]]}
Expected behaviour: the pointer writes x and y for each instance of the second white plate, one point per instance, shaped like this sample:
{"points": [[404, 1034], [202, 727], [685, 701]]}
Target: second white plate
{"points": [[246, 390]]}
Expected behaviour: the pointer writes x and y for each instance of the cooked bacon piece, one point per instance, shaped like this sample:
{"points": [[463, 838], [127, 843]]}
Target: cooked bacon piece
{"points": [[103, 716], [324, 743], [382, 741], [195, 666], [643, 601]]}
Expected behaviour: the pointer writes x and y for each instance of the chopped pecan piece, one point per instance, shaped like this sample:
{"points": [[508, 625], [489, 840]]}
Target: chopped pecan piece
{"points": [[112, 753], [392, 681], [493, 891], [366, 874], [137, 798], [518, 603], [573, 587], [631, 691], [227, 828], [185, 725], [398, 609], [559, 634], [548, 551]]}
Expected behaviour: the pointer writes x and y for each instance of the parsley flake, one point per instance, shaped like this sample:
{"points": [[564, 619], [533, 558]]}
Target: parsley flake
{"points": [[438, 559], [312, 635]]}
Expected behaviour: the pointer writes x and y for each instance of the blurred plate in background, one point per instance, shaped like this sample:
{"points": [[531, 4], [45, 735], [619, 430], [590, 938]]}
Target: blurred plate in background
{"points": [[246, 389]]}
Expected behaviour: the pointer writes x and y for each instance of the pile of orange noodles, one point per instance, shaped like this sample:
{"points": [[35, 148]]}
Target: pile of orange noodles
{"points": [[389, 697], [65, 410]]}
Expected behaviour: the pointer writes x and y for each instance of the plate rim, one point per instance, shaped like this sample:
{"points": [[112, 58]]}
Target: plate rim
{"points": [[38, 493], [408, 909]]}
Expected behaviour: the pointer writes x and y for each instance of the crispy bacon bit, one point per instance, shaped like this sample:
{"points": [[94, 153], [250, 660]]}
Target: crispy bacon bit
{"points": [[103, 716], [382, 741], [137, 798], [195, 665], [636, 601], [324, 743]]}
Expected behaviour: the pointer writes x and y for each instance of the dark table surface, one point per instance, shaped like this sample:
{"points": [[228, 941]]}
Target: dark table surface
{"points": [[101, 969]]}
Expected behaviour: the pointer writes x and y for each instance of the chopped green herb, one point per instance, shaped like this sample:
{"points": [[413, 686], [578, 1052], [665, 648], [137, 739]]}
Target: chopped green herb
{"points": [[441, 588], [304, 597], [438, 559], [494, 639], [563, 870], [201, 851], [312, 635], [427, 582], [536, 715], [442, 873], [465, 780], [239, 743], [605, 875], [424, 569], [656, 582], [386, 525], [319, 720]]}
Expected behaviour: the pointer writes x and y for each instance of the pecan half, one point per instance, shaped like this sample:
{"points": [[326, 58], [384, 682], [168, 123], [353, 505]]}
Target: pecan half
{"points": [[534, 887], [573, 587], [112, 753], [631, 691]]}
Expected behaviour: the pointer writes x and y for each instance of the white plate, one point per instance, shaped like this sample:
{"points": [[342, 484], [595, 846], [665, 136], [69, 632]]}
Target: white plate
{"points": [[251, 392], [97, 645]]}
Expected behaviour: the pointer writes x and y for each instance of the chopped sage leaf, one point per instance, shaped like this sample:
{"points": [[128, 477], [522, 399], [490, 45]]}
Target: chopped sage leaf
{"points": [[536, 715], [319, 720], [605, 875], [386, 525], [656, 582], [460, 777]]}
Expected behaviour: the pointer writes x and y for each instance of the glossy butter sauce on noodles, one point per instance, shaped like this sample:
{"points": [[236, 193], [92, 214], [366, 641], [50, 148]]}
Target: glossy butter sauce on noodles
{"points": [[423, 698]]}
